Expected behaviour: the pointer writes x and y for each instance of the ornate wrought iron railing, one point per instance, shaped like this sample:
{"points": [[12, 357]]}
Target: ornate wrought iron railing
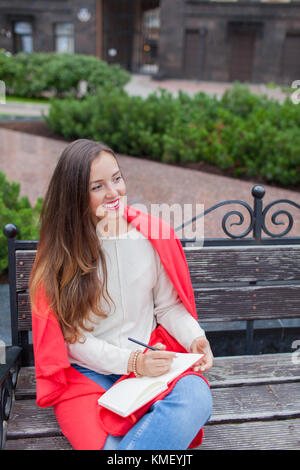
{"points": [[257, 224]]}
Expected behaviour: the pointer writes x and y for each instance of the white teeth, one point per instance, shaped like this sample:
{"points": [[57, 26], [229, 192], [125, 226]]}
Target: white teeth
{"points": [[112, 204]]}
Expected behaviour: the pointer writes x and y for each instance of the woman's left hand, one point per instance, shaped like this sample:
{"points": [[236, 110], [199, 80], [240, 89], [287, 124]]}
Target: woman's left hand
{"points": [[201, 345]]}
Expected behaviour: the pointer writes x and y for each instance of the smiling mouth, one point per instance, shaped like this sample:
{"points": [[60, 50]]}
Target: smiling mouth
{"points": [[112, 205]]}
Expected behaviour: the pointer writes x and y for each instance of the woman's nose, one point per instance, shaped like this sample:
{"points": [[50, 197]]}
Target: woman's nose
{"points": [[111, 192]]}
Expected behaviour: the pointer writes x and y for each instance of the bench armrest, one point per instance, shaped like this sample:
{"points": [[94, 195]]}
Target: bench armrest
{"points": [[8, 380]]}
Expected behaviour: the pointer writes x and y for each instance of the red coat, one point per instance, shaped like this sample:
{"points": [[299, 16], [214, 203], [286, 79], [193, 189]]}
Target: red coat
{"points": [[74, 396]]}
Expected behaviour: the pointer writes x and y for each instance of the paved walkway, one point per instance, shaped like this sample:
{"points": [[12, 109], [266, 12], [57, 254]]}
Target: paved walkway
{"points": [[30, 160], [23, 109], [143, 85]]}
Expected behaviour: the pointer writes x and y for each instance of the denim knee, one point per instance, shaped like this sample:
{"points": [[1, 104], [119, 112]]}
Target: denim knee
{"points": [[197, 393], [111, 442]]}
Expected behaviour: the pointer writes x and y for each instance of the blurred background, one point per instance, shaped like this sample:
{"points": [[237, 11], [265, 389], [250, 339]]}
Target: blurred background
{"points": [[247, 40]]}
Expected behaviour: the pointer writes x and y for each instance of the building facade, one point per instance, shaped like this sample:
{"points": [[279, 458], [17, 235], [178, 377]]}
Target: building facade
{"points": [[246, 40], [117, 31], [252, 41], [47, 26]]}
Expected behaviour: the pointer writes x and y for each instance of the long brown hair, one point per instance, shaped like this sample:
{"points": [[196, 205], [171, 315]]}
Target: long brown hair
{"points": [[69, 250]]}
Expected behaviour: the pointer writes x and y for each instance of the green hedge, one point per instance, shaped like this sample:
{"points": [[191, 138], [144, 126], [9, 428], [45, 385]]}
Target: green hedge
{"points": [[30, 75], [17, 211], [251, 135]]}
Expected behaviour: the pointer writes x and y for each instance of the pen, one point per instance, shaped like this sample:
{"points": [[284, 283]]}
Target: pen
{"points": [[142, 344]]}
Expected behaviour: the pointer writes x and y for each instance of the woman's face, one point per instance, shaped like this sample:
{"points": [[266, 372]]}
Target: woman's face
{"points": [[107, 189]]}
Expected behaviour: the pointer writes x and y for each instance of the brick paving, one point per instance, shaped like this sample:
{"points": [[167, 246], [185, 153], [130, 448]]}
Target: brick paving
{"points": [[142, 85], [23, 109], [30, 160]]}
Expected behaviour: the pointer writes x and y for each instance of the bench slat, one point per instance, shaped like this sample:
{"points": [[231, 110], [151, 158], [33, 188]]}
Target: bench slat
{"points": [[24, 312], [232, 404], [226, 372], [282, 434], [221, 304], [255, 402], [247, 303], [207, 265], [26, 385], [24, 263], [246, 370], [267, 435], [243, 264], [29, 420], [40, 443], [256, 435]]}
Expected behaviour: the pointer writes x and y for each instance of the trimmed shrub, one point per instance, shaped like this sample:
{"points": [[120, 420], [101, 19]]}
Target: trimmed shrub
{"points": [[250, 135], [19, 212], [32, 75]]}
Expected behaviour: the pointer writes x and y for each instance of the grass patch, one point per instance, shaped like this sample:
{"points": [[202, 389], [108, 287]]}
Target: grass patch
{"points": [[20, 99]]}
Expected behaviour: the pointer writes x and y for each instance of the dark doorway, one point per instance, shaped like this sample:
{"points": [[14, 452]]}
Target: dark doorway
{"points": [[290, 64], [242, 53], [118, 29], [130, 33], [194, 49], [242, 41]]}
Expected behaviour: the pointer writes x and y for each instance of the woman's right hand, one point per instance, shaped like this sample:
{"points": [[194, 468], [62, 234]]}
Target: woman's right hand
{"points": [[155, 363]]}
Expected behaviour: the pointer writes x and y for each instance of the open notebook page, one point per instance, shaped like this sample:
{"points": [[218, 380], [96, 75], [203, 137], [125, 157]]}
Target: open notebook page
{"points": [[130, 394]]}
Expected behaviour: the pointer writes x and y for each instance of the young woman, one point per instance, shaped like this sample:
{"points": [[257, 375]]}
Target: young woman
{"points": [[99, 277]]}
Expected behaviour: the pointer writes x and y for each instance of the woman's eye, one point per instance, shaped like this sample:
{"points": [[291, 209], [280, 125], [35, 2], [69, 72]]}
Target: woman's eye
{"points": [[97, 187]]}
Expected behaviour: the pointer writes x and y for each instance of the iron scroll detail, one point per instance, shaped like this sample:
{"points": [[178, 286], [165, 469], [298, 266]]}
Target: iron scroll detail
{"points": [[257, 215], [276, 214]]}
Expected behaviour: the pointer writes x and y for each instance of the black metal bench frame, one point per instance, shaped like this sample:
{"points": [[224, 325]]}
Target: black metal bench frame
{"points": [[20, 354]]}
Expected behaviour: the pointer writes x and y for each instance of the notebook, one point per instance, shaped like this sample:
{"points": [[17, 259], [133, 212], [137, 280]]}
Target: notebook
{"points": [[129, 395]]}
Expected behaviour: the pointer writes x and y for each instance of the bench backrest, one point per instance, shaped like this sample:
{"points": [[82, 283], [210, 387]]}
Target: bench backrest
{"points": [[245, 283], [233, 279]]}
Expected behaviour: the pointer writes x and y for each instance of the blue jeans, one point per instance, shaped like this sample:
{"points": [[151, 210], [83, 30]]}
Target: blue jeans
{"points": [[170, 423]]}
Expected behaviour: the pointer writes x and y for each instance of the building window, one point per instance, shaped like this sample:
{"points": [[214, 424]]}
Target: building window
{"points": [[64, 37], [23, 40], [150, 31]]}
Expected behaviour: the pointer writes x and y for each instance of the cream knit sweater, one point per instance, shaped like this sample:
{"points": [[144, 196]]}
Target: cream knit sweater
{"points": [[144, 296]]}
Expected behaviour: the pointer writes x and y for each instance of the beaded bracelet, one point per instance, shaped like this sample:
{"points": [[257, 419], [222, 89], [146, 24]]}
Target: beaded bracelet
{"points": [[137, 352]]}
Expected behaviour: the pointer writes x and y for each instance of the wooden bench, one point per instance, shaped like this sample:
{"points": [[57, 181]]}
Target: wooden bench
{"points": [[256, 397]]}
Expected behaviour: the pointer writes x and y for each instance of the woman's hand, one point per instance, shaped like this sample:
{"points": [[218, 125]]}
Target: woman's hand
{"points": [[155, 363], [201, 345]]}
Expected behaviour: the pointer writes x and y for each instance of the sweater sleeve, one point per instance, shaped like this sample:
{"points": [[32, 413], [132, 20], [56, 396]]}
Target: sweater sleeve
{"points": [[99, 355], [170, 311]]}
